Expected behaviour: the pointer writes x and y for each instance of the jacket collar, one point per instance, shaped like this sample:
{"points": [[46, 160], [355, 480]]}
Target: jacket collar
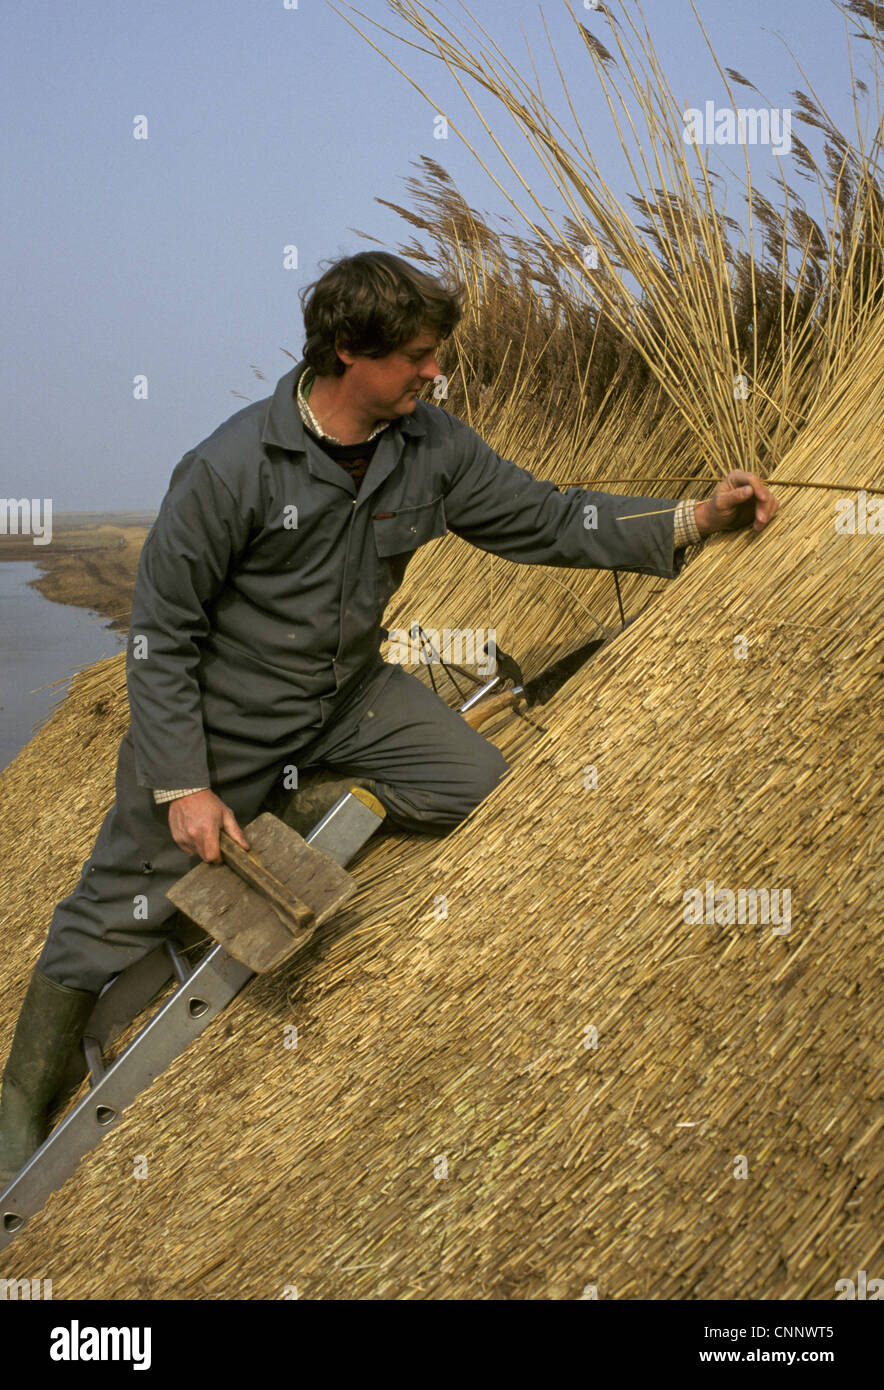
{"points": [[283, 424]]}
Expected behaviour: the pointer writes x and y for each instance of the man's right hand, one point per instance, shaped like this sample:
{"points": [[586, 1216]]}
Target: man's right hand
{"points": [[196, 822]]}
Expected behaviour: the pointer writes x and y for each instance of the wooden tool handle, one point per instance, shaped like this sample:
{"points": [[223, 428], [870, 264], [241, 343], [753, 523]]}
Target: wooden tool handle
{"points": [[479, 713], [293, 913]]}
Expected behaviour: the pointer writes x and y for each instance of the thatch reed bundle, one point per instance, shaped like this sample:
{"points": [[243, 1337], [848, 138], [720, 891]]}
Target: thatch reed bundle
{"points": [[426, 1040], [708, 309]]}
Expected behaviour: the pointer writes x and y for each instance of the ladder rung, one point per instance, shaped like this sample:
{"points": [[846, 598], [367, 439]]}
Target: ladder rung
{"points": [[94, 1060], [126, 995], [183, 969]]}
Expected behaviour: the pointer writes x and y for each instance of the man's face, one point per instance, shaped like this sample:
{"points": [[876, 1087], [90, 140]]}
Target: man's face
{"points": [[389, 386]]}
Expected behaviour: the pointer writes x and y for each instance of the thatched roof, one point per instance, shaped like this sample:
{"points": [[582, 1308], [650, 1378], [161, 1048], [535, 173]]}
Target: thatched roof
{"points": [[465, 1037]]}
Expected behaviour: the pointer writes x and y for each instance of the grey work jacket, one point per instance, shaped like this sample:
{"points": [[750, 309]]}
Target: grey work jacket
{"points": [[262, 583]]}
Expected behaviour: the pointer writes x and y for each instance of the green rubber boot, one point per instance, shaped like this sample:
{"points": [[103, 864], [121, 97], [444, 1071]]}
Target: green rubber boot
{"points": [[49, 1027]]}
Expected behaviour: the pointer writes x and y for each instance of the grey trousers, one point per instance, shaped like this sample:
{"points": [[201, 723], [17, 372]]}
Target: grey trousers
{"points": [[430, 768]]}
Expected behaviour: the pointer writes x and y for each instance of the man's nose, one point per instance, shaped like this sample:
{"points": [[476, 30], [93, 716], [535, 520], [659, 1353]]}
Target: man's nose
{"points": [[431, 371]]}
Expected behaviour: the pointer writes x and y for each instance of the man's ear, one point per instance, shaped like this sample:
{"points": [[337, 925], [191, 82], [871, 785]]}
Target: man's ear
{"points": [[344, 356]]}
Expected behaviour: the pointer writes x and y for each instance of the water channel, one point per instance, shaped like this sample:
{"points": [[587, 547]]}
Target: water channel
{"points": [[40, 642]]}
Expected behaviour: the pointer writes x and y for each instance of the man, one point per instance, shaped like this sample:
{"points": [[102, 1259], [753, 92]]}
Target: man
{"points": [[254, 644]]}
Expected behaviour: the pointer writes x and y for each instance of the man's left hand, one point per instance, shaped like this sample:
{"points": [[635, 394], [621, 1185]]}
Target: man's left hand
{"points": [[740, 499]]}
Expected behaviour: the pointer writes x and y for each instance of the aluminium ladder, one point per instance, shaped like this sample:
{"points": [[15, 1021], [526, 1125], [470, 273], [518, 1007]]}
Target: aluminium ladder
{"points": [[203, 992]]}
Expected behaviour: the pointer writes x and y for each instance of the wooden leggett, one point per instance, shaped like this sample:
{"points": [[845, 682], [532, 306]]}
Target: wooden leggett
{"points": [[263, 904]]}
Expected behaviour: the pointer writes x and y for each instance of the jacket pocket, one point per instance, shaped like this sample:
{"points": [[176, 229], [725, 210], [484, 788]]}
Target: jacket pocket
{"points": [[409, 527], [397, 536]]}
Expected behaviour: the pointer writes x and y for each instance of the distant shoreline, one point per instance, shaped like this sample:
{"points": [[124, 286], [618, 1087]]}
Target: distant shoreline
{"points": [[90, 562]]}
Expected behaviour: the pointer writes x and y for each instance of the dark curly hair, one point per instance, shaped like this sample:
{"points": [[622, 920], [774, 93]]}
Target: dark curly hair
{"points": [[370, 304]]}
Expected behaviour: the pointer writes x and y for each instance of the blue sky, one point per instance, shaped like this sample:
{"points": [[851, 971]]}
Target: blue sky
{"points": [[267, 126]]}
